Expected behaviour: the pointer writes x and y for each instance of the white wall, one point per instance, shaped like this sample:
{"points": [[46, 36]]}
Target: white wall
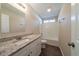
{"points": [[0, 5], [33, 22], [0, 17]]}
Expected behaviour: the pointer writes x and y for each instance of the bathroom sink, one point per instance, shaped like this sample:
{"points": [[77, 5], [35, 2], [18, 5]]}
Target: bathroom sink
{"points": [[31, 36], [28, 37], [22, 41]]}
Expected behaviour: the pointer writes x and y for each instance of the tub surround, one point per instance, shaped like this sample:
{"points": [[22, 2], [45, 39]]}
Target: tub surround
{"points": [[11, 46]]}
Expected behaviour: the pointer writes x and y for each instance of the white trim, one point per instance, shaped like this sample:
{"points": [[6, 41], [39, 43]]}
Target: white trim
{"points": [[61, 51]]}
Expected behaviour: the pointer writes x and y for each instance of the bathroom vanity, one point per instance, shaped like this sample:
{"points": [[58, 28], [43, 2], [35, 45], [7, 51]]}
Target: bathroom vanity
{"points": [[19, 32], [26, 46]]}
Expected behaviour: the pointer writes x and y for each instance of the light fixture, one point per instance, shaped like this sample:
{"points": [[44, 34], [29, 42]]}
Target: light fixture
{"points": [[24, 5], [49, 10], [20, 6]]}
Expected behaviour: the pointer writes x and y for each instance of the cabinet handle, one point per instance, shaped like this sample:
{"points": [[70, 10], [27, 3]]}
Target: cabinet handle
{"points": [[31, 52]]}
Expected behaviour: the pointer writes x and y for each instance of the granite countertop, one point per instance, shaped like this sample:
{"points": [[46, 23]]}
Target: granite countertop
{"points": [[9, 47]]}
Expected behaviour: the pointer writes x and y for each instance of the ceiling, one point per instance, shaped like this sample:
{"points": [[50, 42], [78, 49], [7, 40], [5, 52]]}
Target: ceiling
{"points": [[41, 9]]}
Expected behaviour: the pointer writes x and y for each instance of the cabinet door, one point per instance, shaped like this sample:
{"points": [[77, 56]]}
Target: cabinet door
{"points": [[33, 49], [23, 52], [36, 48]]}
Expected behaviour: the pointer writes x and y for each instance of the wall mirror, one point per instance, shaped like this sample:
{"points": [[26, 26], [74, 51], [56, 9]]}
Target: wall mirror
{"points": [[11, 19]]}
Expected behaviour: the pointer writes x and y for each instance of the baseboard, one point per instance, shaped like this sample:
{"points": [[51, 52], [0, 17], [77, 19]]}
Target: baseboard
{"points": [[61, 51]]}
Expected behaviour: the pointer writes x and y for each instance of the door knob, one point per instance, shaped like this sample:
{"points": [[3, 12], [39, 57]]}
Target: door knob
{"points": [[71, 44]]}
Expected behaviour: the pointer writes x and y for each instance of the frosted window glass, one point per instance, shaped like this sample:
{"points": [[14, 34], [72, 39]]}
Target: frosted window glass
{"points": [[4, 23], [48, 21]]}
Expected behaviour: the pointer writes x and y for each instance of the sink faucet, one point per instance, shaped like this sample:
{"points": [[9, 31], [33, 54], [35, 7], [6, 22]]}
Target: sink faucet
{"points": [[18, 38]]}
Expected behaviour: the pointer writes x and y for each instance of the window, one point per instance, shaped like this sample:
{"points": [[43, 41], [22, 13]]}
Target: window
{"points": [[47, 21]]}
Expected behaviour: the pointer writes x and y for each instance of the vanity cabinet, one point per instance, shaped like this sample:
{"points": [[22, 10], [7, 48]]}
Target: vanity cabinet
{"points": [[32, 49], [23, 52], [35, 48]]}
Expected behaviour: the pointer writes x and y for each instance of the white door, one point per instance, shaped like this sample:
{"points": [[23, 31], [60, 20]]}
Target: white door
{"points": [[75, 29], [65, 29]]}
